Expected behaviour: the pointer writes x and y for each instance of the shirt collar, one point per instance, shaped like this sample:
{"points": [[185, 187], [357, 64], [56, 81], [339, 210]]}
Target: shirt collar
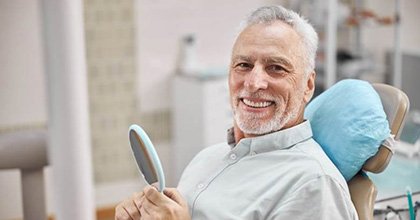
{"points": [[282, 139]]}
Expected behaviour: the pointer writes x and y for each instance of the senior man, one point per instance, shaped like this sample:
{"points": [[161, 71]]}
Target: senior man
{"points": [[270, 167]]}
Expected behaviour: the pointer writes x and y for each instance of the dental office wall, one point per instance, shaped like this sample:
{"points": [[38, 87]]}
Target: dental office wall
{"points": [[157, 52], [22, 81], [131, 51], [380, 39], [111, 27], [22, 86], [410, 45], [111, 79]]}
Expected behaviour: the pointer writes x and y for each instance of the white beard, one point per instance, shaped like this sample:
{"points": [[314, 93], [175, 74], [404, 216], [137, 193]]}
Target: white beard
{"points": [[251, 123]]}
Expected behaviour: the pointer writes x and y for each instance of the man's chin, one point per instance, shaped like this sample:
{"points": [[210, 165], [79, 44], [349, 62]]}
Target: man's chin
{"points": [[257, 129]]}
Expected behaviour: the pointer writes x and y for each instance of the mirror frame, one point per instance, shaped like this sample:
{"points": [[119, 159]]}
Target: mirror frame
{"points": [[148, 149]]}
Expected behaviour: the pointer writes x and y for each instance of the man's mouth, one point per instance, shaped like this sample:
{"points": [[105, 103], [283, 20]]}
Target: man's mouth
{"points": [[256, 104]]}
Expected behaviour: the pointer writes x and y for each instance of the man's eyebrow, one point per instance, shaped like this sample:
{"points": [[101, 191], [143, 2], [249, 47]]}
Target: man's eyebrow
{"points": [[241, 57], [272, 59], [287, 64]]}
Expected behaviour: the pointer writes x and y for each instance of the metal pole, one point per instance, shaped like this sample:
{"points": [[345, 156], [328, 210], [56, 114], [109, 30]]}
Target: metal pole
{"points": [[331, 59], [397, 79], [68, 122]]}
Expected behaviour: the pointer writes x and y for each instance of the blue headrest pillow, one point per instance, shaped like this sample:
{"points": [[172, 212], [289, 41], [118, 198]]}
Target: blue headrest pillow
{"points": [[349, 123]]}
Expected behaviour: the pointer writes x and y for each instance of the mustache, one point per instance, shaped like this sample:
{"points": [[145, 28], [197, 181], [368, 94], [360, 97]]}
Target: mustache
{"points": [[256, 95]]}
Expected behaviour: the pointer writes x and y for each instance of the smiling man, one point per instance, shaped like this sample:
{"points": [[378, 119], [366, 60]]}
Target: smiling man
{"points": [[269, 84], [270, 167]]}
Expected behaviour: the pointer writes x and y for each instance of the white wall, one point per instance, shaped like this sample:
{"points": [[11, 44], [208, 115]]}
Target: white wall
{"points": [[22, 85], [161, 24], [381, 39], [410, 21], [22, 80]]}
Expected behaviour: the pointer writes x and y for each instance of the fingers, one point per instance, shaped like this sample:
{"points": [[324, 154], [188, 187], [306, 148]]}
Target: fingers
{"points": [[173, 194], [121, 213], [157, 198], [138, 199], [132, 205], [129, 209], [152, 202], [144, 210], [170, 205], [153, 195], [155, 203], [156, 185]]}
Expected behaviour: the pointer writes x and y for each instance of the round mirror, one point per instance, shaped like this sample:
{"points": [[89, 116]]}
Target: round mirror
{"points": [[146, 157]]}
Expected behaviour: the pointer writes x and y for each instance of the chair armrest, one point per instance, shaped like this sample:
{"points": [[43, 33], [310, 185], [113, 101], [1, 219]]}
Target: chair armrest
{"points": [[23, 150]]}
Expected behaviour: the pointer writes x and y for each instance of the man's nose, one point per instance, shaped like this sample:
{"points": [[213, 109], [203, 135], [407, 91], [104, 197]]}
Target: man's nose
{"points": [[256, 80]]}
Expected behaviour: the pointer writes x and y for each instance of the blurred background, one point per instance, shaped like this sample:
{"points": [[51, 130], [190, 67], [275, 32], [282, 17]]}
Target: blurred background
{"points": [[163, 65]]}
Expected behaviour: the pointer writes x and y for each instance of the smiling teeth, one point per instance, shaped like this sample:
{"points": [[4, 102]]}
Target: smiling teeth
{"points": [[256, 104]]}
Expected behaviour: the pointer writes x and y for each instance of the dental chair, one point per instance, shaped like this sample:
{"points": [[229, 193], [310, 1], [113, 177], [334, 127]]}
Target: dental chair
{"points": [[362, 190], [27, 151]]}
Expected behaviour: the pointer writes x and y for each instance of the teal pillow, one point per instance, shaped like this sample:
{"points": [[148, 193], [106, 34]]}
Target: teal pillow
{"points": [[349, 123]]}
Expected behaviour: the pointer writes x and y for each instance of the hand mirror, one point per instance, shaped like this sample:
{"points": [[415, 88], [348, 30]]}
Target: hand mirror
{"points": [[146, 157]]}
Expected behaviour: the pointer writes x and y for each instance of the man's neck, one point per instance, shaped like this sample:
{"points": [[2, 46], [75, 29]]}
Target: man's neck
{"points": [[239, 134]]}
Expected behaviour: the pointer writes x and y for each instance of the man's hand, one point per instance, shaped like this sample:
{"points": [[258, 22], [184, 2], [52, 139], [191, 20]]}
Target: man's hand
{"points": [[129, 209], [153, 205], [157, 206]]}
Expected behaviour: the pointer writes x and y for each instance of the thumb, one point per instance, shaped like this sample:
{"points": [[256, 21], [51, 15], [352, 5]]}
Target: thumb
{"points": [[173, 194], [153, 195]]}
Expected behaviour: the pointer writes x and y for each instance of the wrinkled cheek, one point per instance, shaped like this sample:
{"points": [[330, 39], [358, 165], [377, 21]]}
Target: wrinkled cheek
{"points": [[294, 103], [233, 94], [234, 102], [279, 104]]}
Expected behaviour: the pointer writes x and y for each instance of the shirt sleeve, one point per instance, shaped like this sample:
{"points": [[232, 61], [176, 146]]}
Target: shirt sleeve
{"points": [[320, 198]]}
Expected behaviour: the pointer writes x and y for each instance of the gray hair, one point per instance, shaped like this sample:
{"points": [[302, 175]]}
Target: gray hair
{"points": [[307, 33]]}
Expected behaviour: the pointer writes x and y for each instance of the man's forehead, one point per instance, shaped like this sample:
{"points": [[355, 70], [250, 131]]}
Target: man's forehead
{"points": [[277, 28], [263, 58], [275, 42], [277, 34]]}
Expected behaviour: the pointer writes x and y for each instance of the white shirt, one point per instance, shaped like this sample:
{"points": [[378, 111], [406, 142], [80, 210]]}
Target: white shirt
{"points": [[282, 175]]}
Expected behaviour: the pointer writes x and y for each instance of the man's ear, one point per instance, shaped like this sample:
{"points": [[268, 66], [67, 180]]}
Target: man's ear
{"points": [[310, 87]]}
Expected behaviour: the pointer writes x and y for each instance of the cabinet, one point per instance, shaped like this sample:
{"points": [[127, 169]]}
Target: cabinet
{"points": [[201, 117]]}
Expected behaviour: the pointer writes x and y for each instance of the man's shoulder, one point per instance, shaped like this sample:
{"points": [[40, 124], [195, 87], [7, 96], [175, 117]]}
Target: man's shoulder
{"points": [[213, 152], [203, 163], [317, 163]]}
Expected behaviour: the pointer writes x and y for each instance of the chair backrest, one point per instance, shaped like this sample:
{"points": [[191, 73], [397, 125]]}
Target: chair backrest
{"points": [[362, 190], [27, 151]]}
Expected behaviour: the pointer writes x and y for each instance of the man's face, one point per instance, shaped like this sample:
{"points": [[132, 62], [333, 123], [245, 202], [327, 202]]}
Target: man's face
{"points": [[267, 84]]}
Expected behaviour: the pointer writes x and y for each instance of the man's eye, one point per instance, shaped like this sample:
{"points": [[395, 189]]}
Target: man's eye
{"points": [[275, 68], [244, 66]]}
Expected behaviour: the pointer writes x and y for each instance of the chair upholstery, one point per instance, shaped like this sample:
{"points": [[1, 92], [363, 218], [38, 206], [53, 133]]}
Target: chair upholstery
{"points": [[27, 151], [362, 190]]}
